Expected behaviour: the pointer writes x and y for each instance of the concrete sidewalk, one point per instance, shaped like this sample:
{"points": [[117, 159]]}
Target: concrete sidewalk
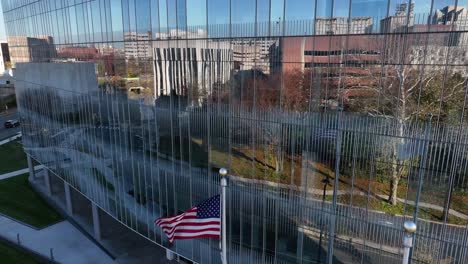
{"points": [[19, 172], [69, 245], [8, 140]]}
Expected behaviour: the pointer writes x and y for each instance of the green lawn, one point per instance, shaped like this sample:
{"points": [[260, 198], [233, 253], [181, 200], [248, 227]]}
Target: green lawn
{"points": [[12, 157], [10, 254], [19, 200]]}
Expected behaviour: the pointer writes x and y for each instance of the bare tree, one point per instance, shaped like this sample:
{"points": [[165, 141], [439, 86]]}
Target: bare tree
{"points": [[405, 92], [410, 93]]}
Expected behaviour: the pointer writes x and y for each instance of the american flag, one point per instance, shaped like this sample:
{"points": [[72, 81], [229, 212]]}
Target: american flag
{"points": [[199, 221]]}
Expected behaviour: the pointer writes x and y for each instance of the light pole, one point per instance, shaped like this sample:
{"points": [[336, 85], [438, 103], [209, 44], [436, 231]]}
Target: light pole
{"points": [[410, 228], [325, 182], [223, 173]]}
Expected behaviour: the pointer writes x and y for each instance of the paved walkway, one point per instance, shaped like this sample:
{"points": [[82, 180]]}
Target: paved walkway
{"points": [[69, 245], [430, 206], [19, 172]]}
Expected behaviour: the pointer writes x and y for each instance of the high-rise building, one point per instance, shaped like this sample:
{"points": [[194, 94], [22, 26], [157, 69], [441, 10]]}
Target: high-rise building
{"points": [[456, 17], [137, 45], [343, 25], [400, 20], [334, 131]]}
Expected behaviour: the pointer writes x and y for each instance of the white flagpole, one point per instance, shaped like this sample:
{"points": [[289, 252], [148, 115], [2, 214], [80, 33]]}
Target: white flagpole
{"points": [[223, 173]]}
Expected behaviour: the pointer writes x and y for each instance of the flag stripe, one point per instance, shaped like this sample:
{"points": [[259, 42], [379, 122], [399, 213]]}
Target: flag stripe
{"points": [[199, 236], [191, 228], [194, 225], [192, 232], [174, 222], [168, 218], [189, 220], [192, 211], [170, 230]]}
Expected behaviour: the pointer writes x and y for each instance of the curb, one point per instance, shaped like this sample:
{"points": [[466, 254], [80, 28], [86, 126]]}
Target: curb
{"points": [[37, 256], [10, 139]]}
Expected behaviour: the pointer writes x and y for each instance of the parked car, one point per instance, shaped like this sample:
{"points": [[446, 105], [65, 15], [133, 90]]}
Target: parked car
{"points": [[11, 123]]}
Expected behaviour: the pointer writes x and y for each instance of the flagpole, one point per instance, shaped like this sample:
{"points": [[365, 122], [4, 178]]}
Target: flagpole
{"points": [[223, 173]]}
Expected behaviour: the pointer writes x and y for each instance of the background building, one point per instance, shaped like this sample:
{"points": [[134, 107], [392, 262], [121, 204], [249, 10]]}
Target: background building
{"points": [[79, 77], [251, 54], [31, 49], [456, 16], [137, 45], [195, 65], [341, 25], [400, 20], [78, 53]]}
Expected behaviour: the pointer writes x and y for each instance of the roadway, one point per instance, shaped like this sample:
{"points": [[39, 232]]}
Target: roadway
{"points": [[8, 132]]}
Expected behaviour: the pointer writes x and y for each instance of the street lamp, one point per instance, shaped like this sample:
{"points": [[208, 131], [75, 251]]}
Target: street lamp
{"points": [[325, 182], [223, 174], [410, 228]]}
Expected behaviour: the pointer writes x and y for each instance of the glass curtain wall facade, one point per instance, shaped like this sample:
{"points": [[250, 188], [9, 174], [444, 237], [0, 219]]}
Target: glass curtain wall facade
{"points": [[337, 119]]}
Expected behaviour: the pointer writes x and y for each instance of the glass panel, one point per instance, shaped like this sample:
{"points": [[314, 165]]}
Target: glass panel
{"points": [[337, 120], [243, 18], [116, 17], [95, 15], [376, 10], [196, 18], [172, 18], [299, 16], [218, 18], [163, 19]]}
